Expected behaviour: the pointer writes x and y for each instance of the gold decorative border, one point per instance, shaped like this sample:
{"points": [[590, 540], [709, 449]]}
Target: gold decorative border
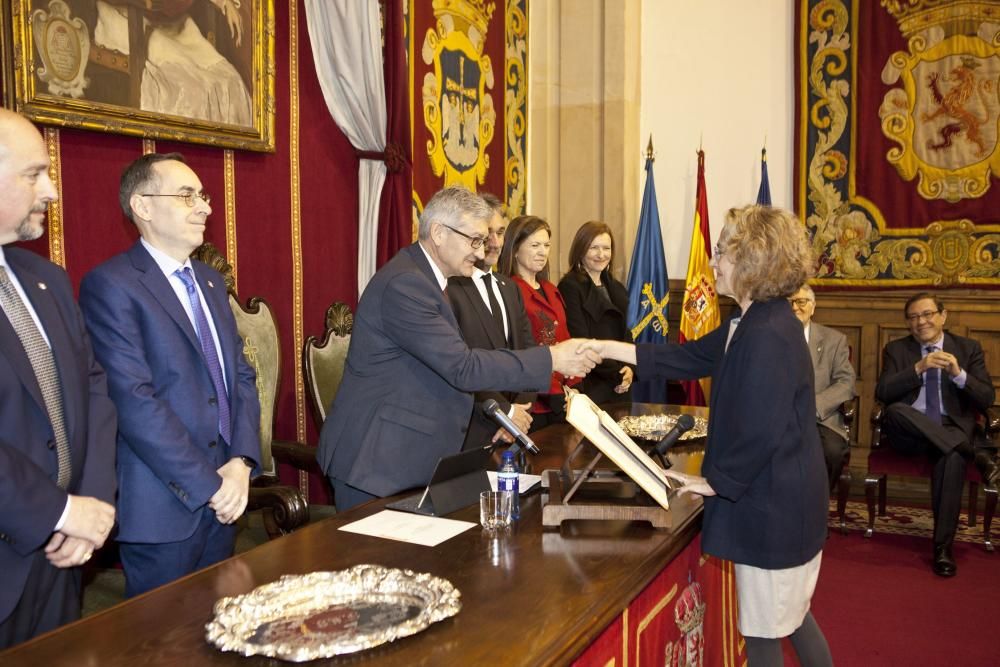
{"points": [[650, 617], [625, 636], [24, 94], [298, 337], [229, 180], [849, 233], [57, 249], [515, 105]]}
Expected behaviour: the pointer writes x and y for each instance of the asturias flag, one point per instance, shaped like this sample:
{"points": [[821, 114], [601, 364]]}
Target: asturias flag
{"points": [[764, 193], [700, 313], [648, 288]]}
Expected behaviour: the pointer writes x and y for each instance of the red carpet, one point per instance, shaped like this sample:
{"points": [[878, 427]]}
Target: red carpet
{"points": [[879, 603]]}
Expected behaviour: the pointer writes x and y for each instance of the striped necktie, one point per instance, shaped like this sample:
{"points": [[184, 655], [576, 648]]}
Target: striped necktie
{"points": [[44, 365], [932, 391]]}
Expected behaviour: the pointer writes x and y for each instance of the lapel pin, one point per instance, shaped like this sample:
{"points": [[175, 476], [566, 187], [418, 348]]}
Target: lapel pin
{"points": [[210, 284], [42, 286]]}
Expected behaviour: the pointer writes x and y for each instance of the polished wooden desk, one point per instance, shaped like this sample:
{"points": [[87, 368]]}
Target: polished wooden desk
{"points": [[534, 597]]}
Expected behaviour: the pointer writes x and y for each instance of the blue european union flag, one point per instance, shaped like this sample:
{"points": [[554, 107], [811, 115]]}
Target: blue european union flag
{"points": [[764, 193], [648, 288]]}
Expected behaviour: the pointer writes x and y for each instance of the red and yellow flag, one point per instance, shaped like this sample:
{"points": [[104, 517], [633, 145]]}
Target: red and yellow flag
{"points": [[700, 313]]}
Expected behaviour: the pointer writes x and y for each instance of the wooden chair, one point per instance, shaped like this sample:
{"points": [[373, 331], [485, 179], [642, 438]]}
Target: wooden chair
{"points": [[284, 508], [883, 461], [849, 409], [323, 360]]}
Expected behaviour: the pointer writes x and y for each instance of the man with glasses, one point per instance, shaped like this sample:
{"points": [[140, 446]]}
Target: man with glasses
{"points": [[409, 379], [834, 380], [491, 316], [935, 385], [187, 401]]}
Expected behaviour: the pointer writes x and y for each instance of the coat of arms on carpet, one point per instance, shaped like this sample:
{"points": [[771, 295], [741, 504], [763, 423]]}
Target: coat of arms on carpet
{"points": [[900, 520]]}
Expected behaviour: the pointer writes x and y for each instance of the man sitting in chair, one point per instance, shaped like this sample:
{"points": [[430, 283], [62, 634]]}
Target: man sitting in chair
{"points": [[934, 386], [834, 380]]}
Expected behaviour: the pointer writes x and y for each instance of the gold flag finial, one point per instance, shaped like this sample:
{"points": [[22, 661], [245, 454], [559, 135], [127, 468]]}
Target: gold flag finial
{"points": [[649, 149]]}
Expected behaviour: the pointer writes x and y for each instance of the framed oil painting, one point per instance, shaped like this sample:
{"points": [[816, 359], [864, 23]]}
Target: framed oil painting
{"points": [[199, 71]]}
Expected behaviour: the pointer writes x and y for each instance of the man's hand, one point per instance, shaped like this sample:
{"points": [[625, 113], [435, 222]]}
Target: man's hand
{"points": [[521, 418], [572, 358], [939, 359], [63, 551], [610, 349], [627, 376], [690, 483], [89, 519], [231, 498]]}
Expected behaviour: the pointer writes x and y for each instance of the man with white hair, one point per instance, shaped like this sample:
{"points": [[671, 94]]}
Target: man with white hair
{"points": [[409, 379], [834, 380]]}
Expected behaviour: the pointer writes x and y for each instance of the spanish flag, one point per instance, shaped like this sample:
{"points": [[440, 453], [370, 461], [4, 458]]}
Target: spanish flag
{"points": [[700, 312]]}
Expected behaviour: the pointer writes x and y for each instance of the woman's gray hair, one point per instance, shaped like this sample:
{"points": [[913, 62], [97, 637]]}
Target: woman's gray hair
{"points": [[769, 250], [452, 206]]}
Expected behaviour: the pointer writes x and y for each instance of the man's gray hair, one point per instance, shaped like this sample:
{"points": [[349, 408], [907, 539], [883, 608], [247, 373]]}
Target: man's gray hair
{"points": [[451, 206], [808, 288]]}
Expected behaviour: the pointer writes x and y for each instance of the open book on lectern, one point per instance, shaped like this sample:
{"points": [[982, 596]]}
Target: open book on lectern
{"points": [[602, 430]]}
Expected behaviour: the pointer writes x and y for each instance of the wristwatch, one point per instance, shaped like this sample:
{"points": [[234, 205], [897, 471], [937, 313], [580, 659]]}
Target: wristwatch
{"points": [[248, 462]]}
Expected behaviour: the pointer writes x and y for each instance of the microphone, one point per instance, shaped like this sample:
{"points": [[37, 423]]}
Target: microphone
{"points": [[492, 410], [684, 424]]}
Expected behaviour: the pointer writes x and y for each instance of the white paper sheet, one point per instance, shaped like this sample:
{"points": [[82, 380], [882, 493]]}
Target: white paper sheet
{"points": [[428, 531], [525, 482]]}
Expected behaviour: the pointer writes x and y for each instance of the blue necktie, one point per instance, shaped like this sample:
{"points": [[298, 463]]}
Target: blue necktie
{"points": [[208, 350], [932, 394]]}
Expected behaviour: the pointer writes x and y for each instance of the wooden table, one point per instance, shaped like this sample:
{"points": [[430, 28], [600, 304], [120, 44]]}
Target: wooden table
{"points": [[538, 596]]}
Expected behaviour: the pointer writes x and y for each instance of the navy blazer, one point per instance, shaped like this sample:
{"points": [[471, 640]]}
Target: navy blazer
{"points": [[479, 331], [409, 378], [31, 501], [591, 314], [169, 447], [899, 381], [763, 457]]}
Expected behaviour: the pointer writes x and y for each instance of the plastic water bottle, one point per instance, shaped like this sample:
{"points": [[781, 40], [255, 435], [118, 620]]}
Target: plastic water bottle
{"points": [[507, 480]]}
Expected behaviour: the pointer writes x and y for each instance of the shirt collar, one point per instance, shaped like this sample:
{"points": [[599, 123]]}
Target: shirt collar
{"points": [[442, 281], [3, 257], [938, 344], [168, 265]]}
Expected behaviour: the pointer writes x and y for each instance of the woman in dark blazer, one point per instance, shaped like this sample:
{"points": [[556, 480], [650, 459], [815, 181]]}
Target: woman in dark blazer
{"points": [[764, 481], [596, 307], [525, 258]]}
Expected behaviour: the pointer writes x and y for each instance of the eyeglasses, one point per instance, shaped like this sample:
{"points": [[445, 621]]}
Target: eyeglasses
{"points": [[719, 251], [926, 315], [800, 303], [190, 198], [475, 241]]}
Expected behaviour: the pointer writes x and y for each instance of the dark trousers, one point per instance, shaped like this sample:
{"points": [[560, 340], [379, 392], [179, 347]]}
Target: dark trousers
{"points": [[346, 496], [835, 449], [51, 598], [150, 565], [911, 433]]}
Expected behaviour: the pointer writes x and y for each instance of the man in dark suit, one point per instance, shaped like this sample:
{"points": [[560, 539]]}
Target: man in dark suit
{"points": [[57, 441], [409, 378], [189, 416], [473, 300], [834, 374], [935, 385]]}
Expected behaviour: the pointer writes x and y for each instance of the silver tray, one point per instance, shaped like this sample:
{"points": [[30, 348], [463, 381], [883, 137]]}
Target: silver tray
{"points": [[324, 614], [654, 427]]}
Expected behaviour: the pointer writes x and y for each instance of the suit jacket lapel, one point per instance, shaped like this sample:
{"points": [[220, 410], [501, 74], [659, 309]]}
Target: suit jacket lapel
{"points": [[508, 294], [815, 343], [485, 316], [418, 258], [158, 285], [10, 342]]}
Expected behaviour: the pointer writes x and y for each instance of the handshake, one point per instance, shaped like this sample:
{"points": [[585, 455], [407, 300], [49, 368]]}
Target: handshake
{"points": [[577, 356]]}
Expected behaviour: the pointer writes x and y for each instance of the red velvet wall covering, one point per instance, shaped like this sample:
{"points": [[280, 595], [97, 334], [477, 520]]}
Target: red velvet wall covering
{"points": [[276, 242]]}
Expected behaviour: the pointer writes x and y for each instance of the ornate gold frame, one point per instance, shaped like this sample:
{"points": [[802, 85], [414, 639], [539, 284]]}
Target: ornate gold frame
{"points": [[23, 64]]}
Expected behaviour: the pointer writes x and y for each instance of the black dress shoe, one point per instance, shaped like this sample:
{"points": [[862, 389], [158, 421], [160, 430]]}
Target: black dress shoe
{"points": [[986, 464], [944, 562]]}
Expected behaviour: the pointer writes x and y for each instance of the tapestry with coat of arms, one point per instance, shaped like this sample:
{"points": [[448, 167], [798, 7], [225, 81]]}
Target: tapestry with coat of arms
{"points": [[897, 174], [469, 89]]}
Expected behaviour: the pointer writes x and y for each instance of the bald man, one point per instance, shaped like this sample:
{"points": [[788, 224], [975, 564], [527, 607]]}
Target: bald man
{"points": [[57, 443]]}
